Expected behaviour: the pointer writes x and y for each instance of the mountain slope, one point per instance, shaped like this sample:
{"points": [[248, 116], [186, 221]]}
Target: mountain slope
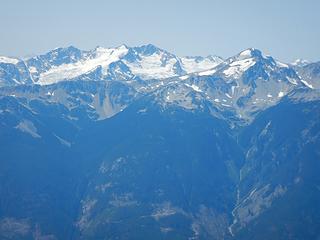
{"points": [[310, 73], [279, 183], [137, 143], [146, 62], [14, 72], [151, 182]]}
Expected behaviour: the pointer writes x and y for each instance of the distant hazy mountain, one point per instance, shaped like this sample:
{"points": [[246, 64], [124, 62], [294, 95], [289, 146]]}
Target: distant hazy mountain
{"points": [[137, 143]]}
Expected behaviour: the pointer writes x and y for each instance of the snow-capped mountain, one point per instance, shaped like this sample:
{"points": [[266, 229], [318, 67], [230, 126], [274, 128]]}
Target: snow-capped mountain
{"points": [[138, 143], [243, 84], [146, 62], [310, 74], [300, 62], [13, 71]]}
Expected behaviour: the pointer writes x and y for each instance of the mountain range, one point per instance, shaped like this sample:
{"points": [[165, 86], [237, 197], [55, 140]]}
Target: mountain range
{"points": [[138, 143]]}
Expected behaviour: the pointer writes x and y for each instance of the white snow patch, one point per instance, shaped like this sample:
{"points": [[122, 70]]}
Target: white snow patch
{"points": [[225, 105], [194, 87], [232, 89], [246, 53], [281, 94], [307, 84], [228, 96], [191, 64], [153, 67], [300, 62], [238, 67], [207, 73], [184, 77], [292, 80], [103, 58], [283, 65], [4, 59]]}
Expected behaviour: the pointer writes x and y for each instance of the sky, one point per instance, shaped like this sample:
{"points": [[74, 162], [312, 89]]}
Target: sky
{"points": [[285, 29]]}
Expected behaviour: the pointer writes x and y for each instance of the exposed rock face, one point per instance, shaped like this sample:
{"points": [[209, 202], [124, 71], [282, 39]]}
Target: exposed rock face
{"points": [[137, 143]]}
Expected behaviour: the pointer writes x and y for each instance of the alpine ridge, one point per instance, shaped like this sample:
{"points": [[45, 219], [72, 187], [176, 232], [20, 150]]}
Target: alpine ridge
{"points": [[138, 143]]}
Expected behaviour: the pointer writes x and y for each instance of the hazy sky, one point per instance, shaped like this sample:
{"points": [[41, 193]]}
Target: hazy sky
{"points": [[286, 29]]}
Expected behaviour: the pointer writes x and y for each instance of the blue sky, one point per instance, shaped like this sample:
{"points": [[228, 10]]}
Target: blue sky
{"points": [[286, 29]]}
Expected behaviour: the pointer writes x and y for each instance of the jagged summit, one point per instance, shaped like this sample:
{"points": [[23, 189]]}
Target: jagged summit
{"points": [[148, 49], [251, 52], [138, 143], [244, 83], [146, 62], [9, 60], [300, 62]]}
